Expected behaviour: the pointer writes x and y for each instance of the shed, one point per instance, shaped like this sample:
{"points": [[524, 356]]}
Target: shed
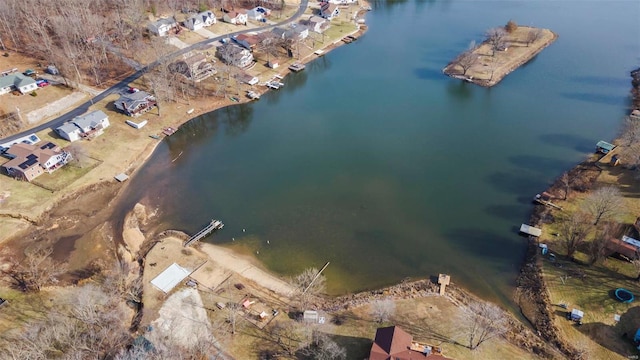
{"points": [[604, 147], [170, 277], [310, 315], [122, 177], [530, 230]]}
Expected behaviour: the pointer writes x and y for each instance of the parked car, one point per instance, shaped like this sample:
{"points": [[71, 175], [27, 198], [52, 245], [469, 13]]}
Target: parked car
{"points": [[52, 70], [29, 72], [42, 82], [133, 90]]}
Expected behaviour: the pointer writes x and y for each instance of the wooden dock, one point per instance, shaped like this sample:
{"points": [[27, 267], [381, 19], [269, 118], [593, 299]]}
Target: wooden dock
{"points": [[213, 225]]}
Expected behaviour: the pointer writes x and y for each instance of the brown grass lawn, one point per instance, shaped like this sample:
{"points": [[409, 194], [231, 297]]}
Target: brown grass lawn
{"points": [[590, 288]]}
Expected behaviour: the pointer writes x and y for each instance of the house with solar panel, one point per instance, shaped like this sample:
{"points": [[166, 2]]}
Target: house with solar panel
{"points": [[28, 161]]}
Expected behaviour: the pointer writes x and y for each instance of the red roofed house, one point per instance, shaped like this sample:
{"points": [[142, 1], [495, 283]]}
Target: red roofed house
{"points": [[238, 17], [329, 10], [393, 343]]}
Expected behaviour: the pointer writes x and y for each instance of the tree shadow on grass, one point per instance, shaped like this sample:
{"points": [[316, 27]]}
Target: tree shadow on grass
{"points": [[617, 338]]}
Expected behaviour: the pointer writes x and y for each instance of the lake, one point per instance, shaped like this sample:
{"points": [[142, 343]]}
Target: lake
{"points": [[373, 160]]}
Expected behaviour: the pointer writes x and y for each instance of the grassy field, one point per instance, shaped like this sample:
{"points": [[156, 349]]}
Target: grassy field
{"points": [[590, 288]]}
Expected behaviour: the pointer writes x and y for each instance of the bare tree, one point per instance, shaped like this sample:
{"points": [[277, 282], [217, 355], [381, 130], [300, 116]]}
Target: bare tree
{"points": [[605, 203], [484, 321], [574, 231], [533, 36], [636, 265], [382, 310], [79, 155], [36, 269], [496, 38], [308, 284], [324, 348], [466, 60], [598, 246], [291, 336]]}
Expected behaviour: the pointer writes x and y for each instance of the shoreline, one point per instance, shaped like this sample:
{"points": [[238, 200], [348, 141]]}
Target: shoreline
{"points": [[532, 293]]}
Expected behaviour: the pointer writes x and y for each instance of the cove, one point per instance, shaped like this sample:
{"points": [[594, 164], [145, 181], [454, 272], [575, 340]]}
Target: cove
{"points": [[374, 160]]}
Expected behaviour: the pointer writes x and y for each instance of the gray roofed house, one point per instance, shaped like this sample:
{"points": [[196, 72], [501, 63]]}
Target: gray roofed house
{"points": [[279, 32], [316, 24], [88, 125], [194, 67], [134, 104], [163, 26], [17, 81], [194, 22], [234, 55]]}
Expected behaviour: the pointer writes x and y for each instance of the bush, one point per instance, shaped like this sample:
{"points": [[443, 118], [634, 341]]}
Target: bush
{"points": [[5, 54], [34, 94], [511, 26], [203, 7]]}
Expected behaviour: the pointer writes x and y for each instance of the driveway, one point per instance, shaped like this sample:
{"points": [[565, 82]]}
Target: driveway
{"points": [[177, 42], [206, 33]]}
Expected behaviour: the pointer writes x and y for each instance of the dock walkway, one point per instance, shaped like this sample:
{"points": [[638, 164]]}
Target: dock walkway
{"points": [[213, 225]]}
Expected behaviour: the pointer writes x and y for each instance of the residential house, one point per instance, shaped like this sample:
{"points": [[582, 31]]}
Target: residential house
{"points": [[17, 81], [208, 18], [193, 22], [88, 125], [162, 27], [29, 161], [195, 67], [298, 32], [258, 13], [316, 24], [199, 21], [134, 104], [236, 17], [279, 32], [247, 41], [329, 10], [235, 55], [247, 79], [393, 343]]}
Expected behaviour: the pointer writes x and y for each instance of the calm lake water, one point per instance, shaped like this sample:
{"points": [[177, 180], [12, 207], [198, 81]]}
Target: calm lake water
{"points": [[375, 161]]}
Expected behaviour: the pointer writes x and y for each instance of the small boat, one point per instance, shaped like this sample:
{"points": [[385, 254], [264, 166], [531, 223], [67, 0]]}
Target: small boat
{"points": [[278, 76], [233, 98], [253, 95], [155, 137], [624, 295], [273, 85]]}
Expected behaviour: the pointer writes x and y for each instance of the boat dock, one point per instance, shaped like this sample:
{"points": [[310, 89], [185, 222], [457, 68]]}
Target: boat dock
{"points": [[297, 67], [213, 225]]}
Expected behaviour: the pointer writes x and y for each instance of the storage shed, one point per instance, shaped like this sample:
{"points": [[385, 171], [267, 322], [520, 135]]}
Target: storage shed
{"points": [[530, 230]]}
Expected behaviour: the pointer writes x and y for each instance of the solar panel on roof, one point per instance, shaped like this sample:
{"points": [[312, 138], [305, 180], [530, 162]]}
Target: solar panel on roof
{"points": [[31, 156], [28, 163], [48, 145]]}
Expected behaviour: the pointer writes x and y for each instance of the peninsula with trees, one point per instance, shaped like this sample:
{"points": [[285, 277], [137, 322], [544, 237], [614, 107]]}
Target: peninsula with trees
{"points": [[504, 49]]}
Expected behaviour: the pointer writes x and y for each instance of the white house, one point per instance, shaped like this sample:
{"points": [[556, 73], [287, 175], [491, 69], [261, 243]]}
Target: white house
{"points": [[88, 125], [17, 81], [329, 10], [162, 26], [194, 22], [235, 17], [258, 13], [316, 24], [208, 18]]}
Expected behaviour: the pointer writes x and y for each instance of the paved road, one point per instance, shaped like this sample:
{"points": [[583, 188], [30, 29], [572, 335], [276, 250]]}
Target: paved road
{"points": [[83, 108]]}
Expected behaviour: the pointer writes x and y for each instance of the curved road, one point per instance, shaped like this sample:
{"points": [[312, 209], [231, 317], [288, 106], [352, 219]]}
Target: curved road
{"points": [[83, 108]]}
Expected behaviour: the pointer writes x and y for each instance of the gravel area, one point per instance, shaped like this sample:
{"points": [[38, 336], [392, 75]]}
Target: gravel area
{"points": [[55, 108]]}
